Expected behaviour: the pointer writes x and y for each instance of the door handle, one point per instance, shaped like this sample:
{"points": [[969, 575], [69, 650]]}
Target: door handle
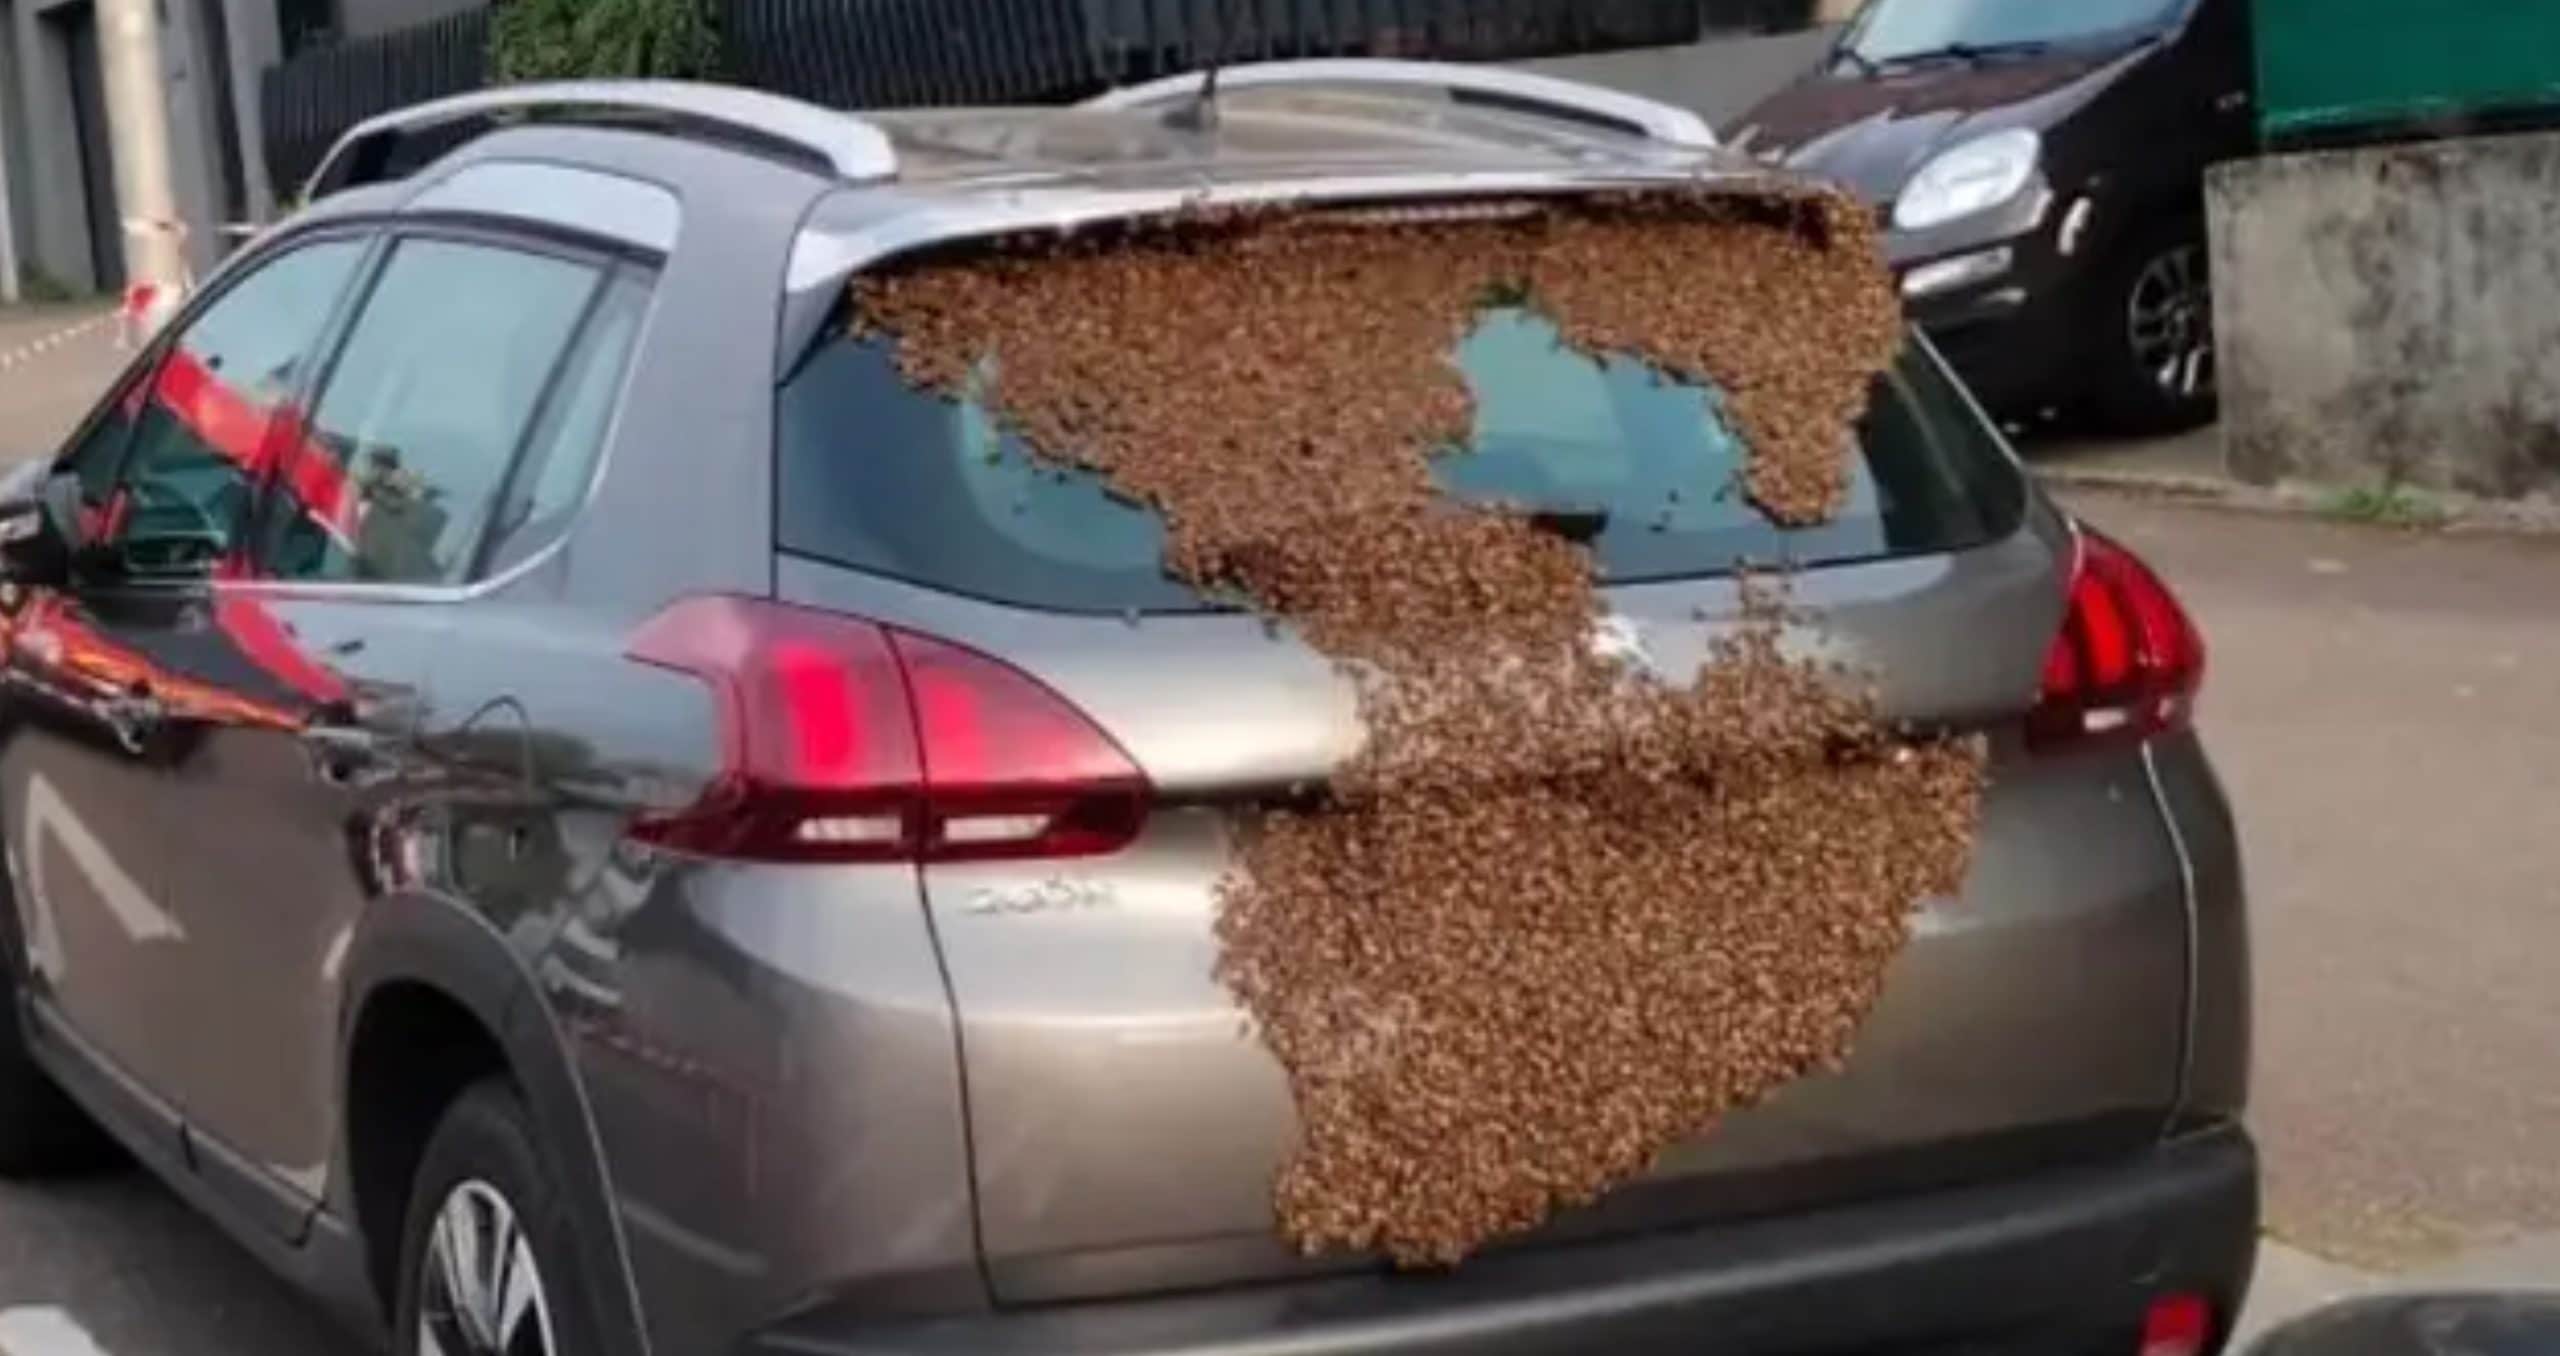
{"points": [[134, 715], [2233, 102], [341, 753]]}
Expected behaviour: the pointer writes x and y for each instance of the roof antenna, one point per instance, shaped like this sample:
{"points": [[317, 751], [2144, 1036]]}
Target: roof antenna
{"points": [[1200, 113]]}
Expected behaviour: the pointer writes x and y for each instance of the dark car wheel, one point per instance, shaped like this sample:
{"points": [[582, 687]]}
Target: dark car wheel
{"points": [[486, 1267], [2157, 358], [41, 1131]]}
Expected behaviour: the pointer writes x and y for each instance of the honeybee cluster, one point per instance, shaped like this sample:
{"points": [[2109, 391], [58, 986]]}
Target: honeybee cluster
{"points": [[1559, 914]]}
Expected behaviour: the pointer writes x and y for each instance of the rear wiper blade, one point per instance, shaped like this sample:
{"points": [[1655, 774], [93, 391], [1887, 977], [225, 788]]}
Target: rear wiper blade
{"points": [[1581, 524]]}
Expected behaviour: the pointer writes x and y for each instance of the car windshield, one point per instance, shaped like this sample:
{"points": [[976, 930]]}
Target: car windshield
{"points": [[880, 476], [1895, 30]]}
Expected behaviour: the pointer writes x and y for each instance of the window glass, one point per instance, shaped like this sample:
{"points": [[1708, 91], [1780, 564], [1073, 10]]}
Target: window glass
{"points": [[203, 436], [560, 460], [880, 476], [99, 453], [1891, 30], [410, 442]]}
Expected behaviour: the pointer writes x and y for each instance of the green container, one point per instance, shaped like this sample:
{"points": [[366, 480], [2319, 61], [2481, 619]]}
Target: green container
{"points": [[2325, 66]]}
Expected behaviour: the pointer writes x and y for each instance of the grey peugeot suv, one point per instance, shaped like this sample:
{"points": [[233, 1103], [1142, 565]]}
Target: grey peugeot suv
{"points": [[574, 810]]}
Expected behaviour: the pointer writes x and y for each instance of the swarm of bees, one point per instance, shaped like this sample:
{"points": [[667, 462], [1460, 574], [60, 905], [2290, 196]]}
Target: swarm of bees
{"points": [[1560, 913]]}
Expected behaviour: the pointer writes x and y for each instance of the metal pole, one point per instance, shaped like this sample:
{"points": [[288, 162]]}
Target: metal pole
{"points": [[9, 283], [137, 93]]}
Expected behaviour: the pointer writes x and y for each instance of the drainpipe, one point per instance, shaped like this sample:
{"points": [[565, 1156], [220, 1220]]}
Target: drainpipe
{"points": [[137, 97]]}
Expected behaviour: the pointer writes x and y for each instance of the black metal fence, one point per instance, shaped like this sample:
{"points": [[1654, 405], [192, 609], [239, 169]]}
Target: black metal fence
{"points": [[884, 53], [887, 53], [307, 102]]}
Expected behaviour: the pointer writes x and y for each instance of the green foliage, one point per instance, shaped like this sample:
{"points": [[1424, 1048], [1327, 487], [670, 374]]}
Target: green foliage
{"points": [[2384, 506], [602, 39], [42, 288]]}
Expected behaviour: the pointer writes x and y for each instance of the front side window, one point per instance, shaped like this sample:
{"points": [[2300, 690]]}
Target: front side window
{"points": [[443, 377], [205, 424]]}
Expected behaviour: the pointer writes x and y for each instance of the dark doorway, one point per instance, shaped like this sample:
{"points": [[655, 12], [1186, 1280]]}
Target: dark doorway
{"points": [[89, 129]]}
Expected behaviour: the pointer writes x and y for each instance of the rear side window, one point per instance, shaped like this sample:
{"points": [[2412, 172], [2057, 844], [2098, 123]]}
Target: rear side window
{"points": [[916, 486]]}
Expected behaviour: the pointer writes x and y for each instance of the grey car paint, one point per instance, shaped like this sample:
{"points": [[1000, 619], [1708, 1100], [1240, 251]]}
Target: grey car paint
{"points": [[767, 1089]]}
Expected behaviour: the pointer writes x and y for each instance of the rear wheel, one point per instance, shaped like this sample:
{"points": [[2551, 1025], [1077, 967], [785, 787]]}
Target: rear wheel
{"points": [[41, 1131], [2157, 358], [486, 1265]]}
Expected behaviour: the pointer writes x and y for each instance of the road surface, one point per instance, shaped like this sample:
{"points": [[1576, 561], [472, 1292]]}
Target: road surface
{"points": [[2386, 711]]}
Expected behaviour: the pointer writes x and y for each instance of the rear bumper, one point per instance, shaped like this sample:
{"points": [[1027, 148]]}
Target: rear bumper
{"points": [[2059, 1263]]}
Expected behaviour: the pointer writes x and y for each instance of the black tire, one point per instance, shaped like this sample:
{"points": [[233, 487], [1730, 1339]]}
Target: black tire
{"points": [[2154, 343], [42, 1132], [485, 1144]]}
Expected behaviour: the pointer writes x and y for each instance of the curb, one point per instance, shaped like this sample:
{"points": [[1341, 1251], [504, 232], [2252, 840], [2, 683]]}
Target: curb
{"points": [[2462, 514]]}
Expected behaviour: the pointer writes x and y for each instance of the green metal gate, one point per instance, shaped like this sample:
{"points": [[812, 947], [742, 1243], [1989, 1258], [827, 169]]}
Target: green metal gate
{"points": [[2361, 70]]}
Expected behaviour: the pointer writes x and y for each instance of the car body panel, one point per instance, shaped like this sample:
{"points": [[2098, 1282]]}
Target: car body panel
{"points": [[1127, 1123]]}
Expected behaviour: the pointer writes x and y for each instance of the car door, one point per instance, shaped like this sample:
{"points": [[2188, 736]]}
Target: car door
{"points": [[167, 468], [388, 504]]}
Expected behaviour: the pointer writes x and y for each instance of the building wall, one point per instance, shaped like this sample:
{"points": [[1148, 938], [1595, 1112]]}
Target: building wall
{"points": [[16, 215], [2390, 316], [47, 183], [257, 42], [48, 207]]}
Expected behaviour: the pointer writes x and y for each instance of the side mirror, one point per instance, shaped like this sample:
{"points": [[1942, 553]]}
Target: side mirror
{"points": [[40, 532]]}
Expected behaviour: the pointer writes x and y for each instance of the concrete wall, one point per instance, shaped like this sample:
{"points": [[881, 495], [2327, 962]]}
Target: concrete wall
{"points": [[17, 215], [47, 181], [48, 207], [2393, 315], [257, 42]]}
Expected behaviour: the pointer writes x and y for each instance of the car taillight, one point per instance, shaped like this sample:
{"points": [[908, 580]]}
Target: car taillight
{"points": [[2128, 662], [846, 741], [2176, 1325]]}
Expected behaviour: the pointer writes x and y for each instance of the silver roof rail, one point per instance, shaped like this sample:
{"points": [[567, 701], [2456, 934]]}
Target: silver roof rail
{"points": [[837, 142], [1490, 84]]}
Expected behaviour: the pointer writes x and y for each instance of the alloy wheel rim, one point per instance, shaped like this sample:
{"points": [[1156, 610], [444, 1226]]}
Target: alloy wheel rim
{"points": [[482, 1292], [2170, 315]]}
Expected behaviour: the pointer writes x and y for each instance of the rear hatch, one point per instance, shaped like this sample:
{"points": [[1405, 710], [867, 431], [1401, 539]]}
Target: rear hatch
{"points": [[1127, 1125]]}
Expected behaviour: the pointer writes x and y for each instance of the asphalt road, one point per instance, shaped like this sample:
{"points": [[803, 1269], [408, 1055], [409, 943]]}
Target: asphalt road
{"points": [[2385, 707], [54, 363], [2386, 710], [114, 1265]]}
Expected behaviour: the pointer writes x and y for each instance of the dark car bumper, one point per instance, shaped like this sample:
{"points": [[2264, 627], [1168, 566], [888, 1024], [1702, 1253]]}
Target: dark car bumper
{"points": [[2019, 340], [2060, 1263]]}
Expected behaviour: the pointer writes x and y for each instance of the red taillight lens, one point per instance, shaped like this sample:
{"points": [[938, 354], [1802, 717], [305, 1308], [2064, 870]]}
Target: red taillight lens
{"points": [[2176, 1325], [2128, 662], [846, 741], [1011, 770]]}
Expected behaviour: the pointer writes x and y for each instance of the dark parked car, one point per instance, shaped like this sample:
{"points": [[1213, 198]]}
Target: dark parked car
{"points": [[574, 811], [2041, 167]]}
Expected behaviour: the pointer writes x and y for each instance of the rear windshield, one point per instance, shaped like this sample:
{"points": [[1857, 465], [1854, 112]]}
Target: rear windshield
{"points": [[877, 475]]}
